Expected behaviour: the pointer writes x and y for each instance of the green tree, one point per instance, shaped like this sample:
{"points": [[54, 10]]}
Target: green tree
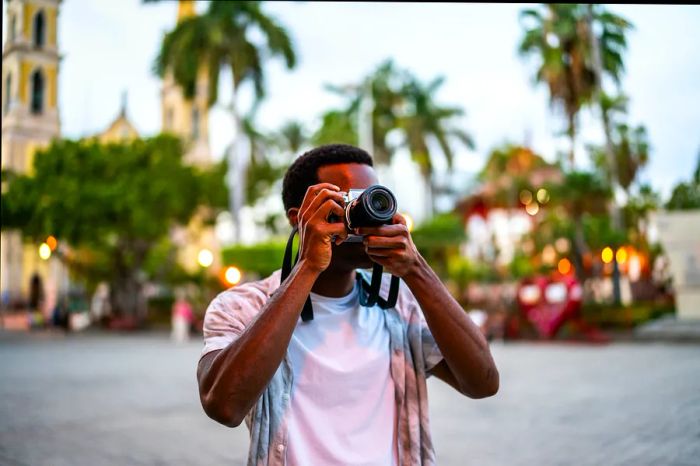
{"points": [[561, 37], [400, 103], [239, 36], [424, 121], [686, 196], [112, 204]]}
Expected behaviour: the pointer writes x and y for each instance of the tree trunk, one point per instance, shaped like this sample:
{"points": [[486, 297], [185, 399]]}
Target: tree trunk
{"points": [[429, 197], [237, 166], [571, 131], [609, 152], [126, 296], [580, 249]]}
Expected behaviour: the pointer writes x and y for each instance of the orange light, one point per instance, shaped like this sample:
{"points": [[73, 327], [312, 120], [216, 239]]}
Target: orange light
{"points": [[52, 242], [532, 208], [607, 255], [564, 266], [232, 275], [525, 197], [621, 255], [409, 221]]}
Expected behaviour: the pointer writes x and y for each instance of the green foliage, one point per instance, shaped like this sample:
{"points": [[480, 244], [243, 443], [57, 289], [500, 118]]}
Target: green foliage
{"points": [[686, 196], [558, 36], [113, 204], [336, 127], [224, 36], [440, 231], [261, 258]]}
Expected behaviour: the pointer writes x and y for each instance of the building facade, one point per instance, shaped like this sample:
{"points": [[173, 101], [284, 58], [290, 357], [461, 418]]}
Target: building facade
{"points": [[30, 120]]}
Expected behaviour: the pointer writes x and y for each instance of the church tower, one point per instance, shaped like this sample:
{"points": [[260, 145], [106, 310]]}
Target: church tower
{"points": [[188, 118], [30, 117]]}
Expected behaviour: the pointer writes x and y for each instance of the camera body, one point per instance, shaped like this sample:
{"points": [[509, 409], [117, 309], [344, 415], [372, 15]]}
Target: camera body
{"points": [[373, 206]]}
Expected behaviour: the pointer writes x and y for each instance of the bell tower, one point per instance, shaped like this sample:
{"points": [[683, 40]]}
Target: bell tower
{"points": [[187, 118], [30, 116]]}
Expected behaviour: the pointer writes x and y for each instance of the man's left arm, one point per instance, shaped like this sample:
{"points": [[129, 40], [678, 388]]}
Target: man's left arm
{"points": [[468, 365]]}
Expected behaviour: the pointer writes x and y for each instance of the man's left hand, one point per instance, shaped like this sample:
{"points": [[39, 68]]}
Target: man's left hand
{"points": [[391, 246]]}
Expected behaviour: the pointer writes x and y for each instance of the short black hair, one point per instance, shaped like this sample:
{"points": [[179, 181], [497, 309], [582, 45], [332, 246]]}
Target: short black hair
{"points": [[303, 172]]}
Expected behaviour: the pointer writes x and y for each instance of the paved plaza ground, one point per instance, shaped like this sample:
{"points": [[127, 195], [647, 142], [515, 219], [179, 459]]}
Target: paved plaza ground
{"points": [[132, 400]]}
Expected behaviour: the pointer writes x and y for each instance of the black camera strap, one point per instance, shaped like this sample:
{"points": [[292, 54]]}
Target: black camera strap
{"points": [[369, 292]]}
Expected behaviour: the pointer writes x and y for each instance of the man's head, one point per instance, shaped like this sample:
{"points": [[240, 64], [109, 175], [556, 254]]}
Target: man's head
{"points": [[343, 165]]}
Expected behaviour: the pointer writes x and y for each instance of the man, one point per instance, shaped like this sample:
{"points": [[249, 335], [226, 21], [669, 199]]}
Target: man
{"points": [[349, 386]]}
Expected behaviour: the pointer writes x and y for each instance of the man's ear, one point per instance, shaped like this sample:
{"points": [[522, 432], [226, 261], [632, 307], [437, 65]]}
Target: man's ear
{"points": [[293, 216]]}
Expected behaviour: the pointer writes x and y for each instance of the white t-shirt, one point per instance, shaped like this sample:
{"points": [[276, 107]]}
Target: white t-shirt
{"points": [[342, 408]]}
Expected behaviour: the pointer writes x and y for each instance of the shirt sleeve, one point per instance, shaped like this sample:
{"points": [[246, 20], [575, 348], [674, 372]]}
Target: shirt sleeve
{"points": [[413, 313], [223, 322]]}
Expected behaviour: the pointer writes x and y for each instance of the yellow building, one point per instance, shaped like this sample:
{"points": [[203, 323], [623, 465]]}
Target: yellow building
{"points": [[30, 120], [189, 119]]}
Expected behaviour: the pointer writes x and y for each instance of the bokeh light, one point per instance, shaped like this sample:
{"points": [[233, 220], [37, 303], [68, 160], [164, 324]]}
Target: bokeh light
{"points": [[549, 255], [44, 251], [564, 266], [233, 275], [409, 221], [52, 242], [205, 258], [543, 196], [607, 255], [621, 255], [525, 197], [532, 208]]}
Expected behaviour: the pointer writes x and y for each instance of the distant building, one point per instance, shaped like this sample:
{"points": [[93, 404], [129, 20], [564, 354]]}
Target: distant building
{"points": [[30, 120]]}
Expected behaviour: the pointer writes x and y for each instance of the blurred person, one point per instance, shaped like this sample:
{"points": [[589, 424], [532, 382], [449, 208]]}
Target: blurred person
{"points": [[182, 317], [349, 386], [99, 305]]}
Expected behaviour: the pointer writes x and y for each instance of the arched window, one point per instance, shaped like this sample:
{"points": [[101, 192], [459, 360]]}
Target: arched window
{"points": [[37, 85], [8, 92], [13, 25], [39, 29], [195, 123]]}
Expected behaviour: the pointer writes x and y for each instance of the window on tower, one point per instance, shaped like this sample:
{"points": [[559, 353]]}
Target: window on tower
{"points": [[39, 29], [8, 92], [37, 85], [195, 123], [13, 25]]}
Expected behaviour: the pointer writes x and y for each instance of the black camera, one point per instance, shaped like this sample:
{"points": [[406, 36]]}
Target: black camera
{"points": [[369, 207]]}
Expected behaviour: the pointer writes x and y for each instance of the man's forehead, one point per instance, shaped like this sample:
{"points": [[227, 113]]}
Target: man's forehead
{"points": [[348, 175]]}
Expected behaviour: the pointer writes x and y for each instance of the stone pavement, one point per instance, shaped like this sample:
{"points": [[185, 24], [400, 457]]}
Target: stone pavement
{"points": [[132, 400]]}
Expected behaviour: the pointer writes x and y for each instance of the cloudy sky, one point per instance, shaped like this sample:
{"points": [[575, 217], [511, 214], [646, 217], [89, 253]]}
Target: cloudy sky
{"points": [[108, 46]]}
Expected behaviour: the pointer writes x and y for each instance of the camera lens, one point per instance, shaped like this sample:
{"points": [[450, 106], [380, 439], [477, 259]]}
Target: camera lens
{"points": [[380, 202], [375, 206]]}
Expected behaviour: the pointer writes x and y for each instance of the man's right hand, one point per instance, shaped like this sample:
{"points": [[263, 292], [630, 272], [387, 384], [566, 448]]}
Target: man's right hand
{"points": [[316, 233]]}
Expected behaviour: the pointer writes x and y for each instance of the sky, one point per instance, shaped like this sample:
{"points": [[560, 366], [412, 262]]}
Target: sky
{"points": [[108, 47]]}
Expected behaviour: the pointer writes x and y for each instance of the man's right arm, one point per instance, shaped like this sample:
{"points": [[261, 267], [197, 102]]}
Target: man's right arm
{"points": [[231, 380]]}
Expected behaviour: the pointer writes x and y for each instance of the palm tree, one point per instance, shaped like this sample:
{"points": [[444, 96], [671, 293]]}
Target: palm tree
{"points": [[423, 121], [343, 125], [225, 37], [577, 47]]}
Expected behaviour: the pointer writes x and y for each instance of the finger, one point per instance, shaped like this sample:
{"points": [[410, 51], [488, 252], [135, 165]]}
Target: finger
{"points": [[313, 190], [321, 197], [379, 253], [390, 242], [384, 230], [325, 209], [399, 219]]}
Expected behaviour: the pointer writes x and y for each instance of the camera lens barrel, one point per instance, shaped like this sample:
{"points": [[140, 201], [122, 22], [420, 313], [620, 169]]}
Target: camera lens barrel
{"points": [[375, 206]]}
